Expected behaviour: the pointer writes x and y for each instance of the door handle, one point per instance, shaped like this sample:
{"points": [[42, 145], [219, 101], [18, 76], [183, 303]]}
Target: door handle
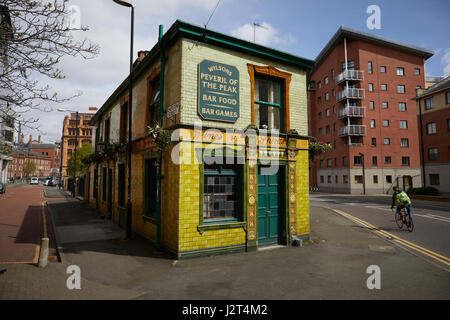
{"points": [[268, 212]]}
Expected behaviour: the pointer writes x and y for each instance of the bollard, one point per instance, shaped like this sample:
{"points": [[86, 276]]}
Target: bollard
{"points": [[43, 254]]}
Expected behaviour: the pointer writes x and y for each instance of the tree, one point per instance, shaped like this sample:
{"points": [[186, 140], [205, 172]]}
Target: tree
{"points": [[82, 152], [34, 37], [316, 149], [28, 167]]}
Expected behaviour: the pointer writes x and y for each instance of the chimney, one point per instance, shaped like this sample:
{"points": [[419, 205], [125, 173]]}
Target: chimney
{"points": [[39, 138], [21, 138], [31, 139], [93, 108]]}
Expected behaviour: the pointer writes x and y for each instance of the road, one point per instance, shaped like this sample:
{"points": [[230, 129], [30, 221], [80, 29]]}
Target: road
{"points": [[22, 216], [431, 220]]}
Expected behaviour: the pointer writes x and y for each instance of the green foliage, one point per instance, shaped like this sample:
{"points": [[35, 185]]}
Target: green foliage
{"points": [[161, 137], [428, 191], [81, 153], [316, 149], [28, 167], [109, 152]]}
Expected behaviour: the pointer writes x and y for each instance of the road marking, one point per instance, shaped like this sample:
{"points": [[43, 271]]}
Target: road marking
{"points": [[378, 207], [429, 253]]}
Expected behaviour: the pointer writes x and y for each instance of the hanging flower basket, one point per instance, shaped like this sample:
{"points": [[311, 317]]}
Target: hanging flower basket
{"points": [[161, 137]]}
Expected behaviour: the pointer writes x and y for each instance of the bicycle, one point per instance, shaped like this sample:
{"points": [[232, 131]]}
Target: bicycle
{"points": [[403, 218]]}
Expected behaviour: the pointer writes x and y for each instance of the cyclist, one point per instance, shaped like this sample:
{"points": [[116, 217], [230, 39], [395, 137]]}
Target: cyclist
{"points": [[402, 200]]}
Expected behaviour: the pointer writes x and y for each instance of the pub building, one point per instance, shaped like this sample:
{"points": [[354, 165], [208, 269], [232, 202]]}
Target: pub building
{"points": [[234, 178]]}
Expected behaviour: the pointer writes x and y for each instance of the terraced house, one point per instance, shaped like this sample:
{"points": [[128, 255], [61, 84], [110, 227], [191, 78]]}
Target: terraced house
{"points": [[230, 107]]}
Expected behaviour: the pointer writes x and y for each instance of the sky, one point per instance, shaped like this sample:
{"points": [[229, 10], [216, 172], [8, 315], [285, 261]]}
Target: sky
{"points": [[299, 27]]}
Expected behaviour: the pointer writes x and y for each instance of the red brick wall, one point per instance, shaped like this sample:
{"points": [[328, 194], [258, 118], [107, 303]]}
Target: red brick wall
{"points": [[441, 139]]}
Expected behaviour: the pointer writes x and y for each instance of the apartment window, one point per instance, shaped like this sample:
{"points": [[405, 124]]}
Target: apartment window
{"points": [[385, 123], [383, 69], [403, 124], [431, 128], [357, 160], [383, 87], [447, 97], [432, 153], [334, 109], [387, 159], [123, 123], [400, 71], [329, 179], [448, 124], [388, 179], [322, 179], [374, 160], [404, 142], [401, 106], [329, 163], [372, 105], [335, 159], [319, 84], [121, 185], [268, 107], [326, 96], [375, 179], [153, 106], [434, 179], [345, 178], [350, 65], [332, 92], [336, 180], [320, 131], [384, 104], [429, 103], [369, 67], [332, 74], [327, 113], [319, 100], [107, 129], [417, 71], [320, 115], [401, 88], [387, 141], [221, 192], [334, 126], [321, 163], [327, 129], [372, 123], [358, 179], [370, 87], [374, 142], [405, 161], [344, 161], [325, 80]]}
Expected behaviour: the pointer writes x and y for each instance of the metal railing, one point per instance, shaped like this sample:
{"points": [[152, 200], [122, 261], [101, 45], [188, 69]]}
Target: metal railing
{"points": [[351, 111], [350, 93], [350, 75], [352, 130]]}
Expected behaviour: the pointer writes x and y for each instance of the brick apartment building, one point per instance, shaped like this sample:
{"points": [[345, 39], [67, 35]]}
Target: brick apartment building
{"points": [[361, 95], [20, 156], [69, 135], [433, 105]]}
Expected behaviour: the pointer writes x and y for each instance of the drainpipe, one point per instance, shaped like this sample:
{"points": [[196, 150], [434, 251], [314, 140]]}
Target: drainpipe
{"points": [[160, 119], [421, 146]]}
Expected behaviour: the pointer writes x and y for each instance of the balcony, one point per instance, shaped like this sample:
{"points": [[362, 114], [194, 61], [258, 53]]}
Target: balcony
{"points": [[352, 130], [352, 111], [350, 93], [350, 75]]}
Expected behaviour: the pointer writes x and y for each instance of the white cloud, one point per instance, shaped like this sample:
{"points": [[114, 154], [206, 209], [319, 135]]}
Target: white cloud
{"points": [[265, 35], [445, 62]]}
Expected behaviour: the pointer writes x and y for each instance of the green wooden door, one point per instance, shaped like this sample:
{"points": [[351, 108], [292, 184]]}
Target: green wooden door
{"points": [[269, 208]]}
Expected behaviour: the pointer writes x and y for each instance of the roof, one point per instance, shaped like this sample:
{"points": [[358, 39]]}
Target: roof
{"points": [[442, 85], [349, 33], [190, 31]]}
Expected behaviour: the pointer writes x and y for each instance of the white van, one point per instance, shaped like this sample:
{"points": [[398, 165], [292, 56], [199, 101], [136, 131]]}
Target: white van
{"points": [[34, 180]]}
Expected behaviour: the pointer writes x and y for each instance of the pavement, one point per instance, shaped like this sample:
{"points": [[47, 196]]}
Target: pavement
{"points": [[333, 265]]}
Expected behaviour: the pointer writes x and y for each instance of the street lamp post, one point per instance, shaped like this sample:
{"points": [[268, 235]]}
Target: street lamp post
{"points": [[76, 144], [130, 104], [363, 172]]}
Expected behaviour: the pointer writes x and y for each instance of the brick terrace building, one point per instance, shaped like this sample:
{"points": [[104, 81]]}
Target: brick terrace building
{"points": [[43, 164], [209, 208], [68, 139], [433, 107], [360, 101]]}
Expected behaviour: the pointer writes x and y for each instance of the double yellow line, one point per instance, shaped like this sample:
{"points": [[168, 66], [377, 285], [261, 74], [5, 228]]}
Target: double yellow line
{"points": [[398, 240]]}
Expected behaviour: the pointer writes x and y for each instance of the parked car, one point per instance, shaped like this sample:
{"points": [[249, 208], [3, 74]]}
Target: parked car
{"points": [[34, 180], [2, 188], [47, 182]]}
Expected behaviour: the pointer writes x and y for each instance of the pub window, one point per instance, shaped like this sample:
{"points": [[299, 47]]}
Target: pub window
{"points": [[123, 122], [121, 185], [154, 103], [150, 188], [268, 108], [220, 192], [104, 184], [429, 103], [434, 179]]}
